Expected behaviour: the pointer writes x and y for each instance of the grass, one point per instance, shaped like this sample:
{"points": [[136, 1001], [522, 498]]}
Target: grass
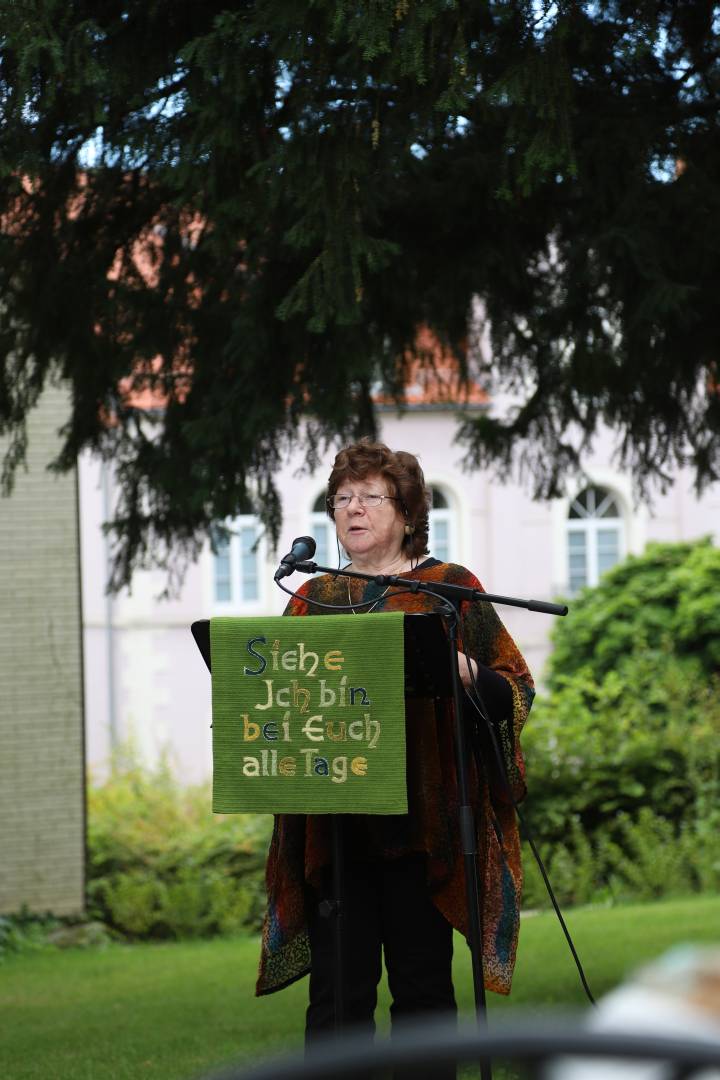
{"points": [[172, 1011]]}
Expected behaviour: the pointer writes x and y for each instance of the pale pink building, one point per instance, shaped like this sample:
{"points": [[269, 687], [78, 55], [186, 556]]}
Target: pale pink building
{"points": [[144, 676]]}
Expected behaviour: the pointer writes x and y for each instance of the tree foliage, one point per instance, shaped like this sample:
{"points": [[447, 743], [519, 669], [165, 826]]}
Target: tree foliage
{"points": [[308, 183]]}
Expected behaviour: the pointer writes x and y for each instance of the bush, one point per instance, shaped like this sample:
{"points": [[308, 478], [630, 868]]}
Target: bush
{"points": [[161, 865], [624, 785], [642, 859], [666, 594], [623, 753], [646, 735], [25, 932], [650, 860]]}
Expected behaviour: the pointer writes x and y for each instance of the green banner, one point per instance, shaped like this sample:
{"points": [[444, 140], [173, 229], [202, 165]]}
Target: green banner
{"points": [[309, 714]]}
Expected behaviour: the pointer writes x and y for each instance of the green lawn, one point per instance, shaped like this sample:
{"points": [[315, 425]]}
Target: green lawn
{"points": [[168, 1012]]}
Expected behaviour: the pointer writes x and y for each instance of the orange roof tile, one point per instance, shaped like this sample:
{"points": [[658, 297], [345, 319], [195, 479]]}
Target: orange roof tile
{"points": [[433, 380]]}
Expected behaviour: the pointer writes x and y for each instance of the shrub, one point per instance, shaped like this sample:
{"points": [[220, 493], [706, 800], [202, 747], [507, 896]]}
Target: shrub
{"points": [[649, 861], [626, 810], [646, 735], [666, 594], [25, 932], [643, 859], [623, 753], [161, 865], [132, 901]]}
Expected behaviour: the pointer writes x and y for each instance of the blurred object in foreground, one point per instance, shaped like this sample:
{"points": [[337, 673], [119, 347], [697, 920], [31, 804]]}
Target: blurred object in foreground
{"points": [[548, 1046], [678, 994]]}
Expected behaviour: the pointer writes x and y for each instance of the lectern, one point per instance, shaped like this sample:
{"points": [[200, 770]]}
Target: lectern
{"points": [[425, 641]]}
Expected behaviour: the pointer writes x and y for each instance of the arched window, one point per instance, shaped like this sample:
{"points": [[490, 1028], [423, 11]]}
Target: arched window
{"points": [[595, 536], [442, 540], [237, 564]]}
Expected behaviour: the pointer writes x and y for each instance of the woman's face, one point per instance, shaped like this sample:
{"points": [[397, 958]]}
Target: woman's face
{"points": [[371, 534]]}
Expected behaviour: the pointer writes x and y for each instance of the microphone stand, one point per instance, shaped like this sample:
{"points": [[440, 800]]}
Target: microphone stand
{"points": [[438, 588], [449, 595]]}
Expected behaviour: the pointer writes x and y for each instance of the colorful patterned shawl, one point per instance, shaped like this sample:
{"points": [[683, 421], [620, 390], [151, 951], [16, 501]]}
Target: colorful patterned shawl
{"points": [[300, 845]]}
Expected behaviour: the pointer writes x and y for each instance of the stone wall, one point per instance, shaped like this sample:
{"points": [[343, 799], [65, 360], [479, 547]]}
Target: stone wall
{"points": [[42, 793]]}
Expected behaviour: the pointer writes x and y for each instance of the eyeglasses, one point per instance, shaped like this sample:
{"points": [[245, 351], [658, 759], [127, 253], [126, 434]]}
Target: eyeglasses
{"points": [[367, 499]]}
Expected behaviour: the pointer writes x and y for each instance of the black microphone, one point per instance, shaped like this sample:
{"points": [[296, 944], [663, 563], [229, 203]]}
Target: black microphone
{"points": [[303, 548]]}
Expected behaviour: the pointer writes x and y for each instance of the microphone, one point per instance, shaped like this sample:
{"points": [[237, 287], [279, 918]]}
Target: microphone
{"points": [[303, 548]]}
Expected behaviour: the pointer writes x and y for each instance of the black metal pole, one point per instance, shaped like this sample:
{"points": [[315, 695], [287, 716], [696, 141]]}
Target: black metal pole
{"points": [[468, 840], [338, 918], [468, 834], [437, 588]]}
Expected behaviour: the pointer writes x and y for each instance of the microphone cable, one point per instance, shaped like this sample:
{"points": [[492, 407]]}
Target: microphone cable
{"points": [[399, 590], [475, 698]]}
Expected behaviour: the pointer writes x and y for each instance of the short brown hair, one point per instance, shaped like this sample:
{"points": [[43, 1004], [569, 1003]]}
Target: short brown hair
{"points": [[404, 478]]}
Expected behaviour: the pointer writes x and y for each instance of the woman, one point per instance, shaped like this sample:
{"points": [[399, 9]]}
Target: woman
{"points": [[404, 876]]}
